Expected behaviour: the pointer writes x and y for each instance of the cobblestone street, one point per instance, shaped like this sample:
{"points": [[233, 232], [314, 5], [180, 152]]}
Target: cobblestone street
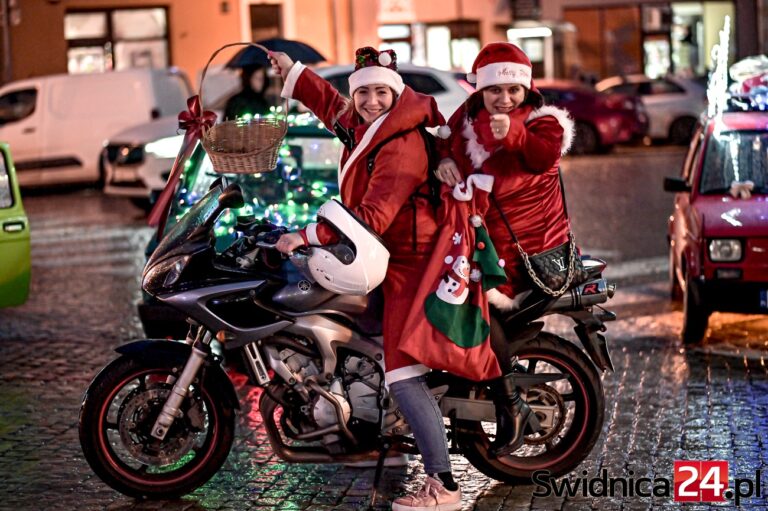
{"points": [[662, 403]]}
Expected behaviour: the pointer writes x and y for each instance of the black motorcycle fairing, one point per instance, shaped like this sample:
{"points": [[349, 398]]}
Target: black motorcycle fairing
{"points": [[162, 349]]}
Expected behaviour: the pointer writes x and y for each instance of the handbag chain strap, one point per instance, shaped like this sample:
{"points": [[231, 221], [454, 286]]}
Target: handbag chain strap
{"points": [[572, 246], [569, 276]]}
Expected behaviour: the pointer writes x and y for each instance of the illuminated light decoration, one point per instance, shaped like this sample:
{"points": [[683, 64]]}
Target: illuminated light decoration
{"points": [[717, 89]]}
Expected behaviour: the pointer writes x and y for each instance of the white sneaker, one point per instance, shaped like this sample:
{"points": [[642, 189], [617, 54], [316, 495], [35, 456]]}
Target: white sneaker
{"points": [[395, 460], [433, 496]]}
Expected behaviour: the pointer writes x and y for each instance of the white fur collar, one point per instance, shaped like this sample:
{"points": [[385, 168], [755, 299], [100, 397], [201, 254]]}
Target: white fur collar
{"points": [[563, 118], [476, 152]]}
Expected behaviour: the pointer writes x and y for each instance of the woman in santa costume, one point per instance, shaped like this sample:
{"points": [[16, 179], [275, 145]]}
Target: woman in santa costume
{"points": [[506, 131], [382, 169]]}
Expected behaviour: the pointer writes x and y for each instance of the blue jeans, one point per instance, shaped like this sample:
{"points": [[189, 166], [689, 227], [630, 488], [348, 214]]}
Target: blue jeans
{"points": [[423, 415]]}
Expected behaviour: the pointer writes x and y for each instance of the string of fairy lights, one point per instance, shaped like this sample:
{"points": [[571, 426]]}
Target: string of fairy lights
{"points": [[290, 195]]}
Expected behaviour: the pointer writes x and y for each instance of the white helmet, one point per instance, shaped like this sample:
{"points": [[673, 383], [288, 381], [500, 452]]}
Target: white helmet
{"points": [[357, 263]]}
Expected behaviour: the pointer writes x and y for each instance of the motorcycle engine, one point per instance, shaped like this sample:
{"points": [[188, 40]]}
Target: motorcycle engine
{"points": [[355, 390]]}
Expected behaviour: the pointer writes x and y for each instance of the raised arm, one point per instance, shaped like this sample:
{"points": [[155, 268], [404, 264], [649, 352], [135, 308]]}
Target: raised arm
{"points": [[540, 142], [302, 84]]}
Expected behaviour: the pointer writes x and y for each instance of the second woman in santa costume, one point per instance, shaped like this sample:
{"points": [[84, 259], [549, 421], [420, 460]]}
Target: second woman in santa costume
{"points": [[382, 169], [506, 131]]}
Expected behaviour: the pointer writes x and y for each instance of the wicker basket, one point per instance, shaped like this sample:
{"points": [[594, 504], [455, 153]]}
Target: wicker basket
{"points": [[244, 146]]}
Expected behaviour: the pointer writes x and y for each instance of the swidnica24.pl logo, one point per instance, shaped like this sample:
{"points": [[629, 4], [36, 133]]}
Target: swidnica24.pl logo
{"points": [[692, 481]]}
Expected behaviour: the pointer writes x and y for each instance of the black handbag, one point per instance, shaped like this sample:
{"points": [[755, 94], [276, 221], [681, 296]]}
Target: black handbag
{"points": [[557, 269]]}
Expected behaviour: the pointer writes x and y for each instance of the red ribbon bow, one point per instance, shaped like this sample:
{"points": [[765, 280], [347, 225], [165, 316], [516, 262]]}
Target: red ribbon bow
{"points": [[193, 120]]}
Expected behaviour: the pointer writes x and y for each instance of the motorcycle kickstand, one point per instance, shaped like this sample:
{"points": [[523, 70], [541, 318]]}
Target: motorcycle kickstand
{"points": [[379, 469]]}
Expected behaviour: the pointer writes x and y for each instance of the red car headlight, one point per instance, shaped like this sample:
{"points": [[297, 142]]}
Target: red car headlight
{"points": [[725, 250]]}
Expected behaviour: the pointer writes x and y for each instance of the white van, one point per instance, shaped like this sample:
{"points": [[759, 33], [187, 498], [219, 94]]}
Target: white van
{"points": [[56, 125]]}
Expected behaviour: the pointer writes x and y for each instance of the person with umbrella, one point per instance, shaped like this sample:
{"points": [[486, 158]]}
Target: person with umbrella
{"points": [[250, 101], [252, 62], [383, 167]]}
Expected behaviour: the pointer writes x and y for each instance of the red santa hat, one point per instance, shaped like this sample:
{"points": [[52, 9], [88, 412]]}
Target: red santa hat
{"points": [[501, 63], [374, 67]]}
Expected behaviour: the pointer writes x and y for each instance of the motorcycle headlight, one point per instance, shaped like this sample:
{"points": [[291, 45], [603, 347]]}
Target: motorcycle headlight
{"points": [[167, 147], [164, 274], [725, 250]]}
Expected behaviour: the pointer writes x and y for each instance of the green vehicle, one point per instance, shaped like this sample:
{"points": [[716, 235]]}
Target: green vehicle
{"points": [[15, 260]]}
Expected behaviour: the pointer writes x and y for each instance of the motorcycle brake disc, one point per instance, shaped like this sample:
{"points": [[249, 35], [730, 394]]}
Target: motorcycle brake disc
{"points": [[544, 395], [137, 415]]}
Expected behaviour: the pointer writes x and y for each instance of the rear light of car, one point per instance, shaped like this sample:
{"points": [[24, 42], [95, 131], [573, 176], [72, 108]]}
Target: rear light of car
{"points": [[725, 250]]}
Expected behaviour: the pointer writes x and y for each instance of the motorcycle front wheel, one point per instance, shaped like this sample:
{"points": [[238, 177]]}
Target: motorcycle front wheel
{"points": [[575, 408], [117, 415]]}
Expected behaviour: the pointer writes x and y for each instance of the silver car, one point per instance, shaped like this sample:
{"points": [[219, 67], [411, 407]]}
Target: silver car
{"points": [[673, 104]]}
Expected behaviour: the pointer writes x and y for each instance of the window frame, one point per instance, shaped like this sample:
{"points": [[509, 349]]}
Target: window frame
{"points": [[109, 41]]}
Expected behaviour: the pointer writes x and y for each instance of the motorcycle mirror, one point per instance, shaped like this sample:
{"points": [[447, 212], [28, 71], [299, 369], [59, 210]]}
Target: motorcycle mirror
{"points": [[232, 197], [219, 181]]}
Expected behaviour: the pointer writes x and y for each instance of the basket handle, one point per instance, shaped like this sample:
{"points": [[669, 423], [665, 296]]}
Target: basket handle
{"points": [[205, 70]]}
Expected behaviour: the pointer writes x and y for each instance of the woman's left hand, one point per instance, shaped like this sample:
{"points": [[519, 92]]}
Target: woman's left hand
{"points": [[289, 242], [499, 125]]}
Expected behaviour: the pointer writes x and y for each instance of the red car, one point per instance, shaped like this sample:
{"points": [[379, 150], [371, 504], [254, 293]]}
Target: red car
{"points": [[718, 231], [602, 120]]}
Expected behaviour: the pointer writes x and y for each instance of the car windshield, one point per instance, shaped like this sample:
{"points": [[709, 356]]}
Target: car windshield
{"points": [[194, 218], [735, 156]]}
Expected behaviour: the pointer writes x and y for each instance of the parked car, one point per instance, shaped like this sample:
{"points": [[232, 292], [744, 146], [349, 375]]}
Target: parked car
{"points": [[673, 104], [56, 125], [305, 177], [718, 240], [15, 263], [601, 120], [138, 160]]}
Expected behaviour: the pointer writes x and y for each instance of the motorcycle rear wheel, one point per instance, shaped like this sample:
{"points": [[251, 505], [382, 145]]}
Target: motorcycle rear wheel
{"points": [[569, 441], [117, 414]]}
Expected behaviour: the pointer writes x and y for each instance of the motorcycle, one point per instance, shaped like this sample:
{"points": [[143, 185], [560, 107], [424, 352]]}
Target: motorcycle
{"points": [[159, 421]]}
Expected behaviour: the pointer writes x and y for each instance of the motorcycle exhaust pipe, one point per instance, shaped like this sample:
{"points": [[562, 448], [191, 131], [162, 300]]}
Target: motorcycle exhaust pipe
{"points": [[587, 294]]}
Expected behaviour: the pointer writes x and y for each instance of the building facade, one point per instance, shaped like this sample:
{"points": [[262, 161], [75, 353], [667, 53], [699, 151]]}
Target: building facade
{"points": [[102, 35], [564, 38]]}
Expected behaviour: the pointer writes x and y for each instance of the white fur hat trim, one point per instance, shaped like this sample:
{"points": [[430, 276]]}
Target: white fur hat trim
{"points": [[376, 75]]}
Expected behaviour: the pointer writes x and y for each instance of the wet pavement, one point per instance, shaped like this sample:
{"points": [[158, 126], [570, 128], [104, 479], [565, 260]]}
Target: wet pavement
{"points": [[663, 402]]}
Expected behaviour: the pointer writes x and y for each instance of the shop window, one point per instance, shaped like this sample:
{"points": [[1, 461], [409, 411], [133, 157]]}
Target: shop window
{"points": [[397, 38], [265, 21], [16, 105], [85, 26], [114, 39], [453, 45]]}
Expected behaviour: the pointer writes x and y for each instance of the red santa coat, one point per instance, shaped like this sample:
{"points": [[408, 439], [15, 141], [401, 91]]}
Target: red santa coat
{"points": [[524, 165], [383, 198]]}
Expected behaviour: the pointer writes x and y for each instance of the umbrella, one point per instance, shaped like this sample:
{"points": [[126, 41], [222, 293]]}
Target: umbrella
{"points": [[252, 56]]}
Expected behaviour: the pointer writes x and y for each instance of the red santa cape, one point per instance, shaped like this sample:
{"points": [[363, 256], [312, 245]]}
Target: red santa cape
{"points": [[451, 330]]}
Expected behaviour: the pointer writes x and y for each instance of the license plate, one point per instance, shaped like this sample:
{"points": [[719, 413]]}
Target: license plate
{"points": [[121, 175]]}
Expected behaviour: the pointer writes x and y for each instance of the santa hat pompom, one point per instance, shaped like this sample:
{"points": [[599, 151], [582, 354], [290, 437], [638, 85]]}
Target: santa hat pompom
{"points": [[472, 77], [385, 59], [444, 131]]}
